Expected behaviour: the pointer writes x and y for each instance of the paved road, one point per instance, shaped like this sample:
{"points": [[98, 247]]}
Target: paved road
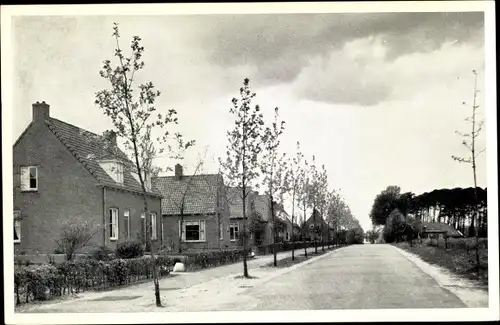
{"points": [[354, 277]]}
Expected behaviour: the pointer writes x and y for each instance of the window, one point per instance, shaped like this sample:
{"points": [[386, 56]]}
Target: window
{"points": [[221, 231], [113, 224], [234, 231], [17, 226], [193, 231], [126, 223], [29, 178], [153, 226]]}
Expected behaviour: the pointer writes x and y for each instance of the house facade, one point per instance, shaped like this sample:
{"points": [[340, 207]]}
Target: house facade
{"points": [[195, 211], [65, 175], [316, 227], [253, 221]]}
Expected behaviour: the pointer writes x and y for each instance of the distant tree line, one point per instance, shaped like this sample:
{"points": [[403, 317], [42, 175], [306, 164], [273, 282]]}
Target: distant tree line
{"points": [[455, 207]]}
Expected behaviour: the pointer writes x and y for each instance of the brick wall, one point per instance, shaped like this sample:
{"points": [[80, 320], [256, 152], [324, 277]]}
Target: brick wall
{"points": [[66, 191], [212, 239], [134, 202]]}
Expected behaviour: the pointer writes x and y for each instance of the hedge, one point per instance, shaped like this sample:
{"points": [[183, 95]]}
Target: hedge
{"points": [[206, 259], [43, 282]]}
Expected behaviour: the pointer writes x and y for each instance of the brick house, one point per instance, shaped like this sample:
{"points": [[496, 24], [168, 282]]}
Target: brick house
{"points": [[196, 207], [237, 221], [316, 227], [263, 210], [290, 230], [66, 175]]}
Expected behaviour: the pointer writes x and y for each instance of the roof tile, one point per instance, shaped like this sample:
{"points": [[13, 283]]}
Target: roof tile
{"points": [[88, 148]]}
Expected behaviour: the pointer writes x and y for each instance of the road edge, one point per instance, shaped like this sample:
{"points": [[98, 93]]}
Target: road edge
{"points": [[470, 295]]}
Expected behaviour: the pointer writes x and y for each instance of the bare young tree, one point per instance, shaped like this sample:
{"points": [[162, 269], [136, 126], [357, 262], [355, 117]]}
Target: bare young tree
{"points": [[273, 170], [469, 141], [293, 179], [303, 195], [135, 120], [241, 166], [74, 237]]}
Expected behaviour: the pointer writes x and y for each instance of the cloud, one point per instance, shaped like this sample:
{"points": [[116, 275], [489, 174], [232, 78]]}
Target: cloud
{"points": [[360, 72], [352, 75], [280, 44]]}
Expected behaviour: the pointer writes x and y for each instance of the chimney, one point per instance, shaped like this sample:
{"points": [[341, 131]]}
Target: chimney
{"points": [[178, 172], [111, 137], [40, 111]]}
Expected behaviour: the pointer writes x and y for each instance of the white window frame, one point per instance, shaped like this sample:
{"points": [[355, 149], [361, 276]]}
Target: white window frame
{"points": [[119, 172], [126, 216], [17, 224], [201, 230], [236, 233], [113, 224], [154, 229], [25, 176]]}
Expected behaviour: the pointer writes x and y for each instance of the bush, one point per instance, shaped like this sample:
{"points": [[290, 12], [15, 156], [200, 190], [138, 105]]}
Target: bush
{"points": [[213, 258], [46, 281], [129, 249], [101, 253]]}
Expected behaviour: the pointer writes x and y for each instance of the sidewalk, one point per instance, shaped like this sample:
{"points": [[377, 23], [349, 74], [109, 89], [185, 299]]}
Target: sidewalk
{"points": [[172, 288]]}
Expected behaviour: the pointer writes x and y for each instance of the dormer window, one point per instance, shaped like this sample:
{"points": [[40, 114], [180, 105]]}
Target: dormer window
{"points": [[114, 169]]}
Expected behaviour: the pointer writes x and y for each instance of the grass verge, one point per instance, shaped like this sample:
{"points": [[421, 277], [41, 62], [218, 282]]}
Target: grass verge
{"points": [[456, 260]]}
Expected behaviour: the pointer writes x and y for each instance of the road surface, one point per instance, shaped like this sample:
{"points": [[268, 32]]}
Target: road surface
{"points": [[354, 277]]}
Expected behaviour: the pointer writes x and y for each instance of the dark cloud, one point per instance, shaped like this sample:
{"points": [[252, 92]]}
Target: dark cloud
{"points": [[279, 44]]}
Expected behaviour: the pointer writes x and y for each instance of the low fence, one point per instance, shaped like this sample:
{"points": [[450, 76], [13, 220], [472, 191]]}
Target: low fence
{"points": [[39, 258], [288, 246], [43, 282]]}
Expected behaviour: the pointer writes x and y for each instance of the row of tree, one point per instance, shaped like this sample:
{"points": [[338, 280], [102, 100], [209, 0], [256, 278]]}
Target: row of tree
{"points": [[253, 159], [456, 207]]}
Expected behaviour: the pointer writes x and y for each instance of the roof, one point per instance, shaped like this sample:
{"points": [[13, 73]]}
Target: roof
{"points": [[88, 148], [319, 219], [440, 226], [235, 202], [197, 194]]}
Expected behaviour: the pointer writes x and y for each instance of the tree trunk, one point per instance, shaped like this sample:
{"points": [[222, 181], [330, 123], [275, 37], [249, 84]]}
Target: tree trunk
{"points": [[275, 260], [305, 218], [245, 266], [151, 248]]}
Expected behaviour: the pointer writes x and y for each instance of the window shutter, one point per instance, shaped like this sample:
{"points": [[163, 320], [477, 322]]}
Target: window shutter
{"points": [[25, 178], [202, 230]]}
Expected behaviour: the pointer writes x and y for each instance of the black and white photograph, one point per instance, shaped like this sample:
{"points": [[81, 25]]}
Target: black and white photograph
{"points": [[250, 162]]}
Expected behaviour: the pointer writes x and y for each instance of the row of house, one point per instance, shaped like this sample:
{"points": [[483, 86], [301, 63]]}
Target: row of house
{"points": [[65, 175]]}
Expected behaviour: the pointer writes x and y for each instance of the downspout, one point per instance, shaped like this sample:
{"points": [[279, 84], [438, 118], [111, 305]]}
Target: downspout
{"points": [[104, 215]]}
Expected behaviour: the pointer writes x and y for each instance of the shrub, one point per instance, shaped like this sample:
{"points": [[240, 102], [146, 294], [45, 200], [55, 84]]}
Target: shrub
{"points": [[129, 249], [101, 253], [213, 258], [74, 237], [43, 282]]}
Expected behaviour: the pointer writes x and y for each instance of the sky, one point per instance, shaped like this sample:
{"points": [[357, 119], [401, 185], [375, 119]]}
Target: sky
{"points": [[376, 97]]}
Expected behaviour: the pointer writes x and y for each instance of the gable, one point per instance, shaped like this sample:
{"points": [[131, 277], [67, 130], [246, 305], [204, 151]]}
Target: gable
{"points": [[40, 147], [88, 148]]}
